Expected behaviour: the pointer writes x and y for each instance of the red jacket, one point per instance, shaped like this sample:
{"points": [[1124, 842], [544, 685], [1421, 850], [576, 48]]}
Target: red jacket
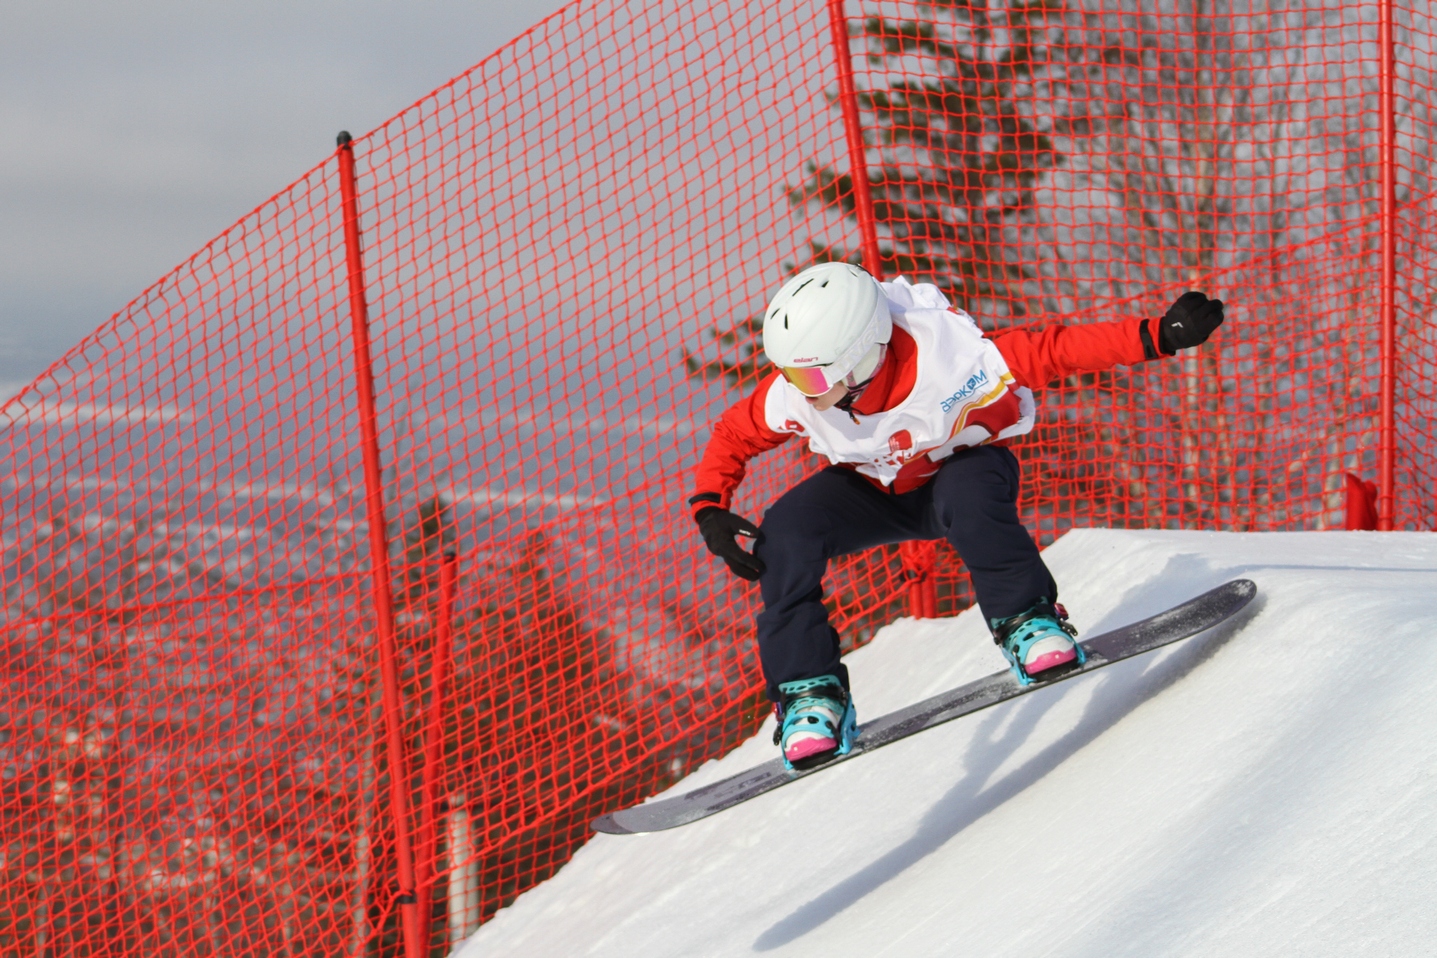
{"points": [[1034, 358]]}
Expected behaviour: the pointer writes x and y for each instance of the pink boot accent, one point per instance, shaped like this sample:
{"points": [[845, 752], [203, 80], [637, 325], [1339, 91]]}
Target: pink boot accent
{"points": [[807, 748], [1050, 660]]}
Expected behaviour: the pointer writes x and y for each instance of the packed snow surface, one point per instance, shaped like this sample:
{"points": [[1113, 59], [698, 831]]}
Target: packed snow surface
{"points": [[1263, 789]]}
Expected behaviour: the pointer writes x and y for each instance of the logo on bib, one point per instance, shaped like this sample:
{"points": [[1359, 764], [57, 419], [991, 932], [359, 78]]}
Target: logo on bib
{"points": [[900, 448], [980, 378]]}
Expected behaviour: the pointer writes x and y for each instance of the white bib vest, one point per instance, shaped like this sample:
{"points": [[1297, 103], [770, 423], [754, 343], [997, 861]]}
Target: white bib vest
{"points": [[963, 395]]}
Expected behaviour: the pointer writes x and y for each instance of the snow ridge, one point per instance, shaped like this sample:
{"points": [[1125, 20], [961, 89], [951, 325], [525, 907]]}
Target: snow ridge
{"points": [[1260, 790]]}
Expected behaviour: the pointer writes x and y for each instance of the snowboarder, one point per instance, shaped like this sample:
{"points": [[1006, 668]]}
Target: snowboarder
{"points": [[912, 405]]}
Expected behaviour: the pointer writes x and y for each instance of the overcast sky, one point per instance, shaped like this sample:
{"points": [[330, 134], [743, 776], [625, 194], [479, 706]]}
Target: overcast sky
{"points": [[132, 133]]}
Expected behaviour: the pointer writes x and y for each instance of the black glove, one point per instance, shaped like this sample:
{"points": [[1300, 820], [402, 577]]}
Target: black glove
{"points": [[719, 526], [1188, 322]]}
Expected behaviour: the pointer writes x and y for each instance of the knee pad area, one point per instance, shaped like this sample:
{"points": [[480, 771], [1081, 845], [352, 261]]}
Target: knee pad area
{"points": [[788, 525]]}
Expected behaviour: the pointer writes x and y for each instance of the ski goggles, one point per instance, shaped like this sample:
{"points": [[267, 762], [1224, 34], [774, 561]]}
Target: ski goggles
{"points": [[809, 380]]}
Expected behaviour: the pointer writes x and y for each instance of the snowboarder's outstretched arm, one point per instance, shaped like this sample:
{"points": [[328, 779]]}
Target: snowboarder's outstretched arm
{"points": [[1039, 357]]}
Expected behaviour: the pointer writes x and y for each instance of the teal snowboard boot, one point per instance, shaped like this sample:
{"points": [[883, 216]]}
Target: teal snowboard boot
{"points": [[1038, 643], [817, 721]]}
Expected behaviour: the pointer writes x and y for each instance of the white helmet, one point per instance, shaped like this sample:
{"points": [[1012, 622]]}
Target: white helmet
{"points": [[827, 325]]}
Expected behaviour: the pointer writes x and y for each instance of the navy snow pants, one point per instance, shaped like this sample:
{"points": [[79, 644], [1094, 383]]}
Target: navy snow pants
{"points": [[972, 502]]}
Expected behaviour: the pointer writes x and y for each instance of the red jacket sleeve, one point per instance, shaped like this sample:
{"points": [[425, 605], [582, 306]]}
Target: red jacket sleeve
{"points": [[1038, 357], [740, 434]]}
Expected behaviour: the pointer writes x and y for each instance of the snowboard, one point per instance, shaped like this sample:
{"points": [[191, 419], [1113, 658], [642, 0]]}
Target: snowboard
{"points": [[1188, 619]]}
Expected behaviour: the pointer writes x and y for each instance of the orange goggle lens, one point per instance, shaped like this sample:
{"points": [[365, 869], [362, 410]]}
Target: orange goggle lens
{"points": [[809, 380]]}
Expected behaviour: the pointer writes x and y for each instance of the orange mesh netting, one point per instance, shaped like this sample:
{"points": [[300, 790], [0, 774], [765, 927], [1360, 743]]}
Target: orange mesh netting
{"points": [[565, 251]]}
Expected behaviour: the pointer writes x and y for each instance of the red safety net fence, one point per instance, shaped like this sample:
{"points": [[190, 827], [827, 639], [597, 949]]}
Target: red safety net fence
{"points": [[563, 255]]}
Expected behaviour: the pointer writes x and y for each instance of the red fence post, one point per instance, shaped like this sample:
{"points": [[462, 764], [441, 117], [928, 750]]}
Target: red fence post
{"points": [[1387, 455], [434, 738], [379, 555], [923, 590], [857, 164]]}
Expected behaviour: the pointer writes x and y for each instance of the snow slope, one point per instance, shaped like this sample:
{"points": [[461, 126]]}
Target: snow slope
{"points": [[1266, 789]]}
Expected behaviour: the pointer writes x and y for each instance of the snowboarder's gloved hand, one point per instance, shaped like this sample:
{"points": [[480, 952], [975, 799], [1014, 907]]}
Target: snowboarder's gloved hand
{"points": [[1188, 322], [719, 526]]}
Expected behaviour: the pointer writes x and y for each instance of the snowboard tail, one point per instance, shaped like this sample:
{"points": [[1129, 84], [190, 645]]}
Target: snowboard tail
{"points": [[1180, 622]]}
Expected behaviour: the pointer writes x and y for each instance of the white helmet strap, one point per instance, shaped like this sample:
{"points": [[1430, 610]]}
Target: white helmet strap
{"points": [[867, 367], [862, 348]]}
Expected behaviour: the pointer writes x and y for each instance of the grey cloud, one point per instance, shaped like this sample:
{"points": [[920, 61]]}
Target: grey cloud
{"points": [[131, 134]]}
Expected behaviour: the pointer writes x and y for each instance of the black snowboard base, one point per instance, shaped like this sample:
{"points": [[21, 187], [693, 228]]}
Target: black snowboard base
{"points": [[1194, 616]]}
